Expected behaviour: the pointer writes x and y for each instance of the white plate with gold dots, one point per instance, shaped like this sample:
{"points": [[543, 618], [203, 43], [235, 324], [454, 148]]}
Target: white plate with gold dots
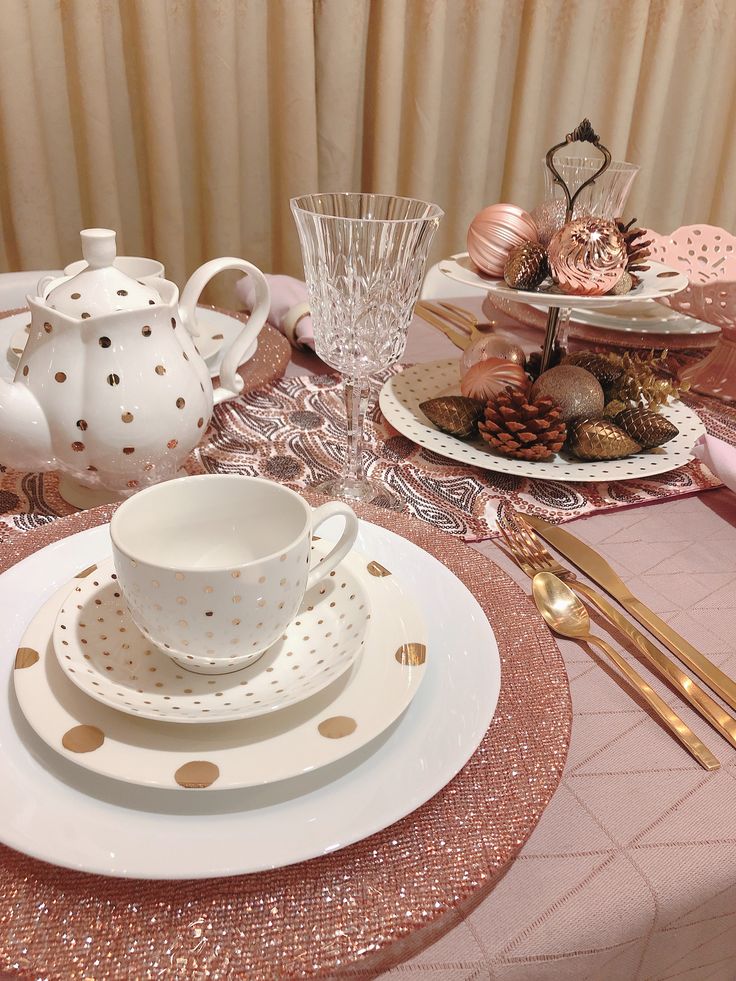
{"points": [[103, 652], [60, 812], [347, 713]]}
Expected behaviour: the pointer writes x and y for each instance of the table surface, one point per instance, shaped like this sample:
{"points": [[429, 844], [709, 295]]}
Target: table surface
{"points": [[631, 872]]}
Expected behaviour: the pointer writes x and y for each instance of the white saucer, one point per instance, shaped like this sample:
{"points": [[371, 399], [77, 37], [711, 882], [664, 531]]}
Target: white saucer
{"points": [[102, 651], [346, 715], [60, 813], [218, 330]]}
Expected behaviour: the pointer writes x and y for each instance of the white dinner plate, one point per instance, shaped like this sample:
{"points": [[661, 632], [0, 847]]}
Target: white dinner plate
{"points": [[643, 317], [55, 811], [656, 280], [218, 330], [402, 394]]}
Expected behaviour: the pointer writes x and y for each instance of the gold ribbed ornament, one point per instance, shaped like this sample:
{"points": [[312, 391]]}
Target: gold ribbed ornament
{"points": [[649, 429], [526, 266], [454, 414], [599, 439]]}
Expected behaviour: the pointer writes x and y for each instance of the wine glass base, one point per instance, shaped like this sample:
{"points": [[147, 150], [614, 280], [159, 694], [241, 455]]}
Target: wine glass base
{"points": [[355, 491]]}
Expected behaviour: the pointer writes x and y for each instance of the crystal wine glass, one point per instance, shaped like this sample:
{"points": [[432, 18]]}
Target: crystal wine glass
{"points": [[364, 258]]}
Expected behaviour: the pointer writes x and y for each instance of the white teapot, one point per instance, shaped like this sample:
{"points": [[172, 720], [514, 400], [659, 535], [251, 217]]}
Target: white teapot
{"points": [[111, 390]]}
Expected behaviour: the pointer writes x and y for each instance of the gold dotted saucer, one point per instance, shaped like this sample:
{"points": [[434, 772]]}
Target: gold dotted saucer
{"points": [[102, 651]]}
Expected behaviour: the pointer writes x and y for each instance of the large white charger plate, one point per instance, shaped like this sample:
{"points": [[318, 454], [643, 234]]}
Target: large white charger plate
{"points": [[402, 394], [218, 330], [55, 811], [642, 317], [656, 280], [345, 716], [102, 651]]}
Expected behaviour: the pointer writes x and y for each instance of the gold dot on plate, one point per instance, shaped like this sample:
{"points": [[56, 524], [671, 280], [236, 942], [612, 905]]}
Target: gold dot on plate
{"points": [[128, 450], [122, 292], [25, 370], [104, 342], [76, 296], [180, 403], [200, 421], [82, 424], [83, 739], [181, 600], [197, 774], [160, 370], [86, 316], [77, 446], [47, 327], [209, 613], [25, 657], [411, 654], [235, 574], [337, 727], [173, 443], [127, 417], [146, 331], [179, 576], [60, 376], [237, 599], [113, 379], [376, 569]]}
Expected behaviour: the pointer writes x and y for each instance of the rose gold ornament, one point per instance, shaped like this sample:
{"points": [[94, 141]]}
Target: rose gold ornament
{"points": [[488, 378], [494, 232], [587, 256], [491, 346]]}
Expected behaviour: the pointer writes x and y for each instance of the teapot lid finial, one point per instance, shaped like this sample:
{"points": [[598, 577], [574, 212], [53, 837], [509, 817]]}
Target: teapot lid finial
{"points": [[98, 247]]}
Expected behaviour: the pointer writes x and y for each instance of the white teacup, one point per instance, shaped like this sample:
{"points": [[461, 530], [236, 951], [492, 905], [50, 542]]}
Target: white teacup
{"points": [[214, 568]]}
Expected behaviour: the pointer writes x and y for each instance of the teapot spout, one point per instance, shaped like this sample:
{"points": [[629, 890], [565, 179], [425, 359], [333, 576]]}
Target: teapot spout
{"points": [[25, 438]]}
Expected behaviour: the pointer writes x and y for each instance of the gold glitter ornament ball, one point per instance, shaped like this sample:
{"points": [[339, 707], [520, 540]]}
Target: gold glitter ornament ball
{"points": [[587, 257], [494, 232], [575, 390]]}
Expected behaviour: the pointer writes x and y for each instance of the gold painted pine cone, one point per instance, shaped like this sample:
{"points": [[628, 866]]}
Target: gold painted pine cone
{"points": [[454, 414], [526, 266], [598, 365], [599, 439], [527, 429], [649, 429]]}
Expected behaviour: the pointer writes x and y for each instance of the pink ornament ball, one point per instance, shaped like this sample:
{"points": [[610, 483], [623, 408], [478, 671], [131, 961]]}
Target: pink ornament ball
{"points": [[491, 346], [486, 379], [494, 232]]}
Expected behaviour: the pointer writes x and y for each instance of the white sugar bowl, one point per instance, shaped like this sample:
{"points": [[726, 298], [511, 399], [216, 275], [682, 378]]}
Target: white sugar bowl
{"points": [[110, 389]]}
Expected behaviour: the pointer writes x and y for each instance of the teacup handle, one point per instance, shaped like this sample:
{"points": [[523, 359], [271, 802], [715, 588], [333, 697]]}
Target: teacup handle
{"points": [[346, 542], [231, 383]]}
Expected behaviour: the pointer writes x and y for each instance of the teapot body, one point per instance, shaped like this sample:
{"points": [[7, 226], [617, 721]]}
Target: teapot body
{"points": [[126, 396]]}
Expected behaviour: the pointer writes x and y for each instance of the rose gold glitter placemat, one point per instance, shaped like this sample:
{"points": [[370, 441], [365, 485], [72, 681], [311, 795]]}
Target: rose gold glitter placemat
{"points": [[322, 915]]}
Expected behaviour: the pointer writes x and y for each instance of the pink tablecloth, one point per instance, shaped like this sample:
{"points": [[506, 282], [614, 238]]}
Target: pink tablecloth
{"points": [[631, 873]]}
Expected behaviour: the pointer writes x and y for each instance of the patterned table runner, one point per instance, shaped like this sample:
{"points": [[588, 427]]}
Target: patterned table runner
{"points": [[293, 431]]}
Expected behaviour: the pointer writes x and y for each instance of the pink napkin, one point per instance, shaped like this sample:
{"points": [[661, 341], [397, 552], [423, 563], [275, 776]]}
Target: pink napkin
{"points": [[289, 307], [719, 457]]}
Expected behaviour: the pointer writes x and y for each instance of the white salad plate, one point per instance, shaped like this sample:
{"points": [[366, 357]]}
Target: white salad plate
{"points": [[314, 732], [656, 280], [102, 651], [218, 330], [402, 394], [59, 812]]}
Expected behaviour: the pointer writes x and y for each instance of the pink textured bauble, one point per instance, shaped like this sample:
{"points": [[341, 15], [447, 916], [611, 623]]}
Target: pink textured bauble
{"points": [[494, 232], [587, 256], [486, 379], [491, 346]]}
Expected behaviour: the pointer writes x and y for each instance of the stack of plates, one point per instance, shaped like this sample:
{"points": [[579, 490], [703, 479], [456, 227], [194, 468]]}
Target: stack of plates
{"points": [[117, 761]]}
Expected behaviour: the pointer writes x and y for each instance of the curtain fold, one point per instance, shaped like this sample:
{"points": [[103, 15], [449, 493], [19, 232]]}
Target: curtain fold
{"points": [[188, 124]]}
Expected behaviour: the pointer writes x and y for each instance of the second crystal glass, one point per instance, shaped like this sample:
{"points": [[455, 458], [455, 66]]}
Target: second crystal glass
{"points": [[364, 258]]}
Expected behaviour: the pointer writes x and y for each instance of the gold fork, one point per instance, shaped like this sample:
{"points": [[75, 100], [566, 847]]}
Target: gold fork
{"points": [[533, 556], [442, 315]]}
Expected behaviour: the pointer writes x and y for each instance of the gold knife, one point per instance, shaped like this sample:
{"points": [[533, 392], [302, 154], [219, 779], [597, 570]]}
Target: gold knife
{"points": [[596, 568]]}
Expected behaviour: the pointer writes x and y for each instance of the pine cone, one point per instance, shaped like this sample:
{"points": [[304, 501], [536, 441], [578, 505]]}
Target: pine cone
{"points": [[526, 266], [525, 429], [454, 414], [637, 251], [599, 439], [604, 370], [650, 429]]}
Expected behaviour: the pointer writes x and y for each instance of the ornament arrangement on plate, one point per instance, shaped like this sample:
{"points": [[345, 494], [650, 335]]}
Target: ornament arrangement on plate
{"points": [[596, 406]]}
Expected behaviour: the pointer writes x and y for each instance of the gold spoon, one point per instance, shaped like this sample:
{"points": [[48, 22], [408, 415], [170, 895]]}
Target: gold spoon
{"points": [[566, 615]]}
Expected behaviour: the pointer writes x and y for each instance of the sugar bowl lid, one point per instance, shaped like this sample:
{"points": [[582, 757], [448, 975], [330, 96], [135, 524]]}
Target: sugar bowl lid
{"points": [[101, 288]]}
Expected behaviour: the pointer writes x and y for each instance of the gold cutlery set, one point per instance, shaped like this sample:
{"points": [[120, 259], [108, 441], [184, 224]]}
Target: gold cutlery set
{"points": [[557, 591], [456, 323]]}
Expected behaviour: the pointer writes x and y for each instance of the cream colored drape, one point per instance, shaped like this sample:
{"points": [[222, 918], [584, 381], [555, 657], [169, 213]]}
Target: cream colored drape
{"points": [[188, 124]]}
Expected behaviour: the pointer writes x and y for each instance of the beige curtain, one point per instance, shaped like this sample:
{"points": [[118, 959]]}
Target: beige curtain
{"points": [[188, 124]]}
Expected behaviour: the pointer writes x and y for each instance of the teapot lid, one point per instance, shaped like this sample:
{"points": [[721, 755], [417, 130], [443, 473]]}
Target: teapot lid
{"points": [[101, 288]]}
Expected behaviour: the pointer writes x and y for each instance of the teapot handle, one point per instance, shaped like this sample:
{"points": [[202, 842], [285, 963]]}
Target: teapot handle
{"points": [[231, 382]]}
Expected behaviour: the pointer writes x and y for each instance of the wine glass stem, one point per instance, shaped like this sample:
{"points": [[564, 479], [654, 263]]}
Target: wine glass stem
{"points": [[356, 397]]}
